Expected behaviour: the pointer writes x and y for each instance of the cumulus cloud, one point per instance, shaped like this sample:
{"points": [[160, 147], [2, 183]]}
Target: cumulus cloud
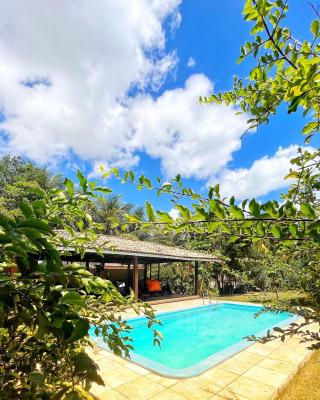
{"points": [[265, 175], [191, 62], [75, 78], [174, 213], [187, 137], [82, 59]]}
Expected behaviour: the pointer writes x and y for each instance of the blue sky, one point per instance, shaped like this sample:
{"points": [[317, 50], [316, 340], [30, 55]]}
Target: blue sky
{"points": [[105, 95]]}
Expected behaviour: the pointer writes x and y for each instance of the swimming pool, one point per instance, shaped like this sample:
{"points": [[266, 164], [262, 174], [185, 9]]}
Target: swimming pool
{"points": [[196, 339]]}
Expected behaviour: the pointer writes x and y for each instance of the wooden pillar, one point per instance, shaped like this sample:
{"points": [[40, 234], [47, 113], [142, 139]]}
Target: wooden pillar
{"points": [[145, 271], [136, 277], [158, 271], [196, 276], [128, 276]]}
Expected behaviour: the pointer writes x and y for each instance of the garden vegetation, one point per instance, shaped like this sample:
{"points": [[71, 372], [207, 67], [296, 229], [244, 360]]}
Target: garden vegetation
{"points": [[47, 307]]}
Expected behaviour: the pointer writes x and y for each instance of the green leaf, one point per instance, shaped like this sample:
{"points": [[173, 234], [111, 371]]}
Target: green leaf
{"points": [[26, 209], [295, 102], [36, 224], [79, 330], [37, 378], [314, 226], [293, 229], [307, 210], [150, 212], [254, 208], [217, 209], [213, 226], [236, 212], [315, 27], [72, 298], [82, 181], [276, 230], [69, 186], [144, 181], [261, 228], [184, 211], [271, 209], [82, 362], [103, 189], [309, 127], [164, 216]]}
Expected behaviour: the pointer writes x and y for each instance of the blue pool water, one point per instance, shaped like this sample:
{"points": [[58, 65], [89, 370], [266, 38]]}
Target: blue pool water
{"points": [[198, 338]]}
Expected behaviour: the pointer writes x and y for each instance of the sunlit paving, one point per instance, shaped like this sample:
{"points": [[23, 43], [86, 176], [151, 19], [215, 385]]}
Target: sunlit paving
{"points": [[159, 200]]}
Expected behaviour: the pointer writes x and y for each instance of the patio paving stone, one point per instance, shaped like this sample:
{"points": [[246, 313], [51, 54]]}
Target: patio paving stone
{"points": [[285, 367], [140, 389], [236, 366], [112, 395], [250, 388], [248, 357], [273, 378], [162, 380], [169, 395], [260, 349], [196, 388], [118, 376], [219, 376], [283, 354], [228, 394]]}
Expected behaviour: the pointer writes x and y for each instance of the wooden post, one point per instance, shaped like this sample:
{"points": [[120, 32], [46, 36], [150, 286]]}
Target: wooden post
{"points": [[136, 277], [158, 271], [145, 272], [196, 276], [128, 276]]}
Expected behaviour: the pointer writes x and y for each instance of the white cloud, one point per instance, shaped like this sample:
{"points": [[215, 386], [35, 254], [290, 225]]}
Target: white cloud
{"points": [[174, 213], [265, 175], [189, 138], [191, 62], [92, 53], [81, 66]]}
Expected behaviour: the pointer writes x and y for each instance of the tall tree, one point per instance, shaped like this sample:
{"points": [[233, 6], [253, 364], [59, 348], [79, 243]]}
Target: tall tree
{"points": [[18, 180]]}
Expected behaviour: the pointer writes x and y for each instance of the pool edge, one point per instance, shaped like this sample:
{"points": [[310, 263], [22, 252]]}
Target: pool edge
{"points": [[209, 362]]}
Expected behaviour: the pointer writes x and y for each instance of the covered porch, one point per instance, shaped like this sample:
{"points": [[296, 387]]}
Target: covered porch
{"points": [[130, 263]]}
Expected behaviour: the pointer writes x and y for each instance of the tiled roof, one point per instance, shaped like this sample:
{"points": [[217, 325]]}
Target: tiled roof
{"points": [[122, 245]]}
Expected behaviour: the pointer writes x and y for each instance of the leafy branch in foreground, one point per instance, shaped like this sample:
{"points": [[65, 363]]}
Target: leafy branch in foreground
{"points": [[286, 70], [47, 306], [296, 219]]}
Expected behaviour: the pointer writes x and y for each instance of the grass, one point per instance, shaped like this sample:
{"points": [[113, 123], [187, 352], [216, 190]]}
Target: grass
{"points": [[305, 385], [266, 297]]}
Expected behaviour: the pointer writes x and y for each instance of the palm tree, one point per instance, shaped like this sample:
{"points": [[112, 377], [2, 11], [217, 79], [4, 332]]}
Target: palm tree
{"points": [[110, 212]]}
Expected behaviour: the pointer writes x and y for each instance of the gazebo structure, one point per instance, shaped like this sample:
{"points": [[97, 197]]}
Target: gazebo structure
{"points": [[133, 259]]}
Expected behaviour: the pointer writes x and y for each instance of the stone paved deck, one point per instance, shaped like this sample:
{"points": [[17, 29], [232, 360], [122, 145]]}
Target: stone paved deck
{"points": [[256, 373]]}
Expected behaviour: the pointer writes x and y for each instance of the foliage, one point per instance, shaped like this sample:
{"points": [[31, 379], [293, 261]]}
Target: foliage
{"points": [[111, 212], [47, 306], [179, 277], [290, 297], [17, 176], [286, 70]]}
